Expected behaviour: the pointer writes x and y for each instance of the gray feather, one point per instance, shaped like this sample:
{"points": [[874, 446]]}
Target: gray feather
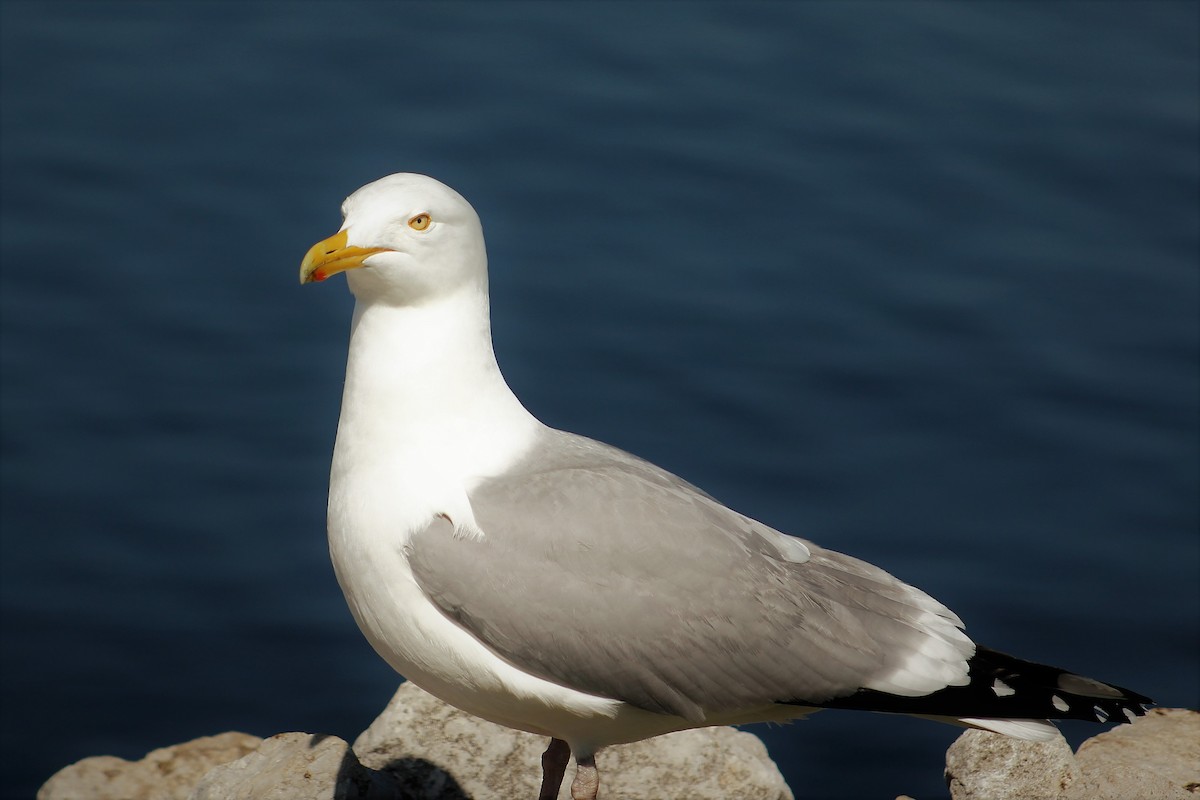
{"points": [[602, 572]]}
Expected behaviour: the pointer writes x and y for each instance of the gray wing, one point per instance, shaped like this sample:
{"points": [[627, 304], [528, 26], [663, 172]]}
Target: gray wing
{"points": [[604, 573]]}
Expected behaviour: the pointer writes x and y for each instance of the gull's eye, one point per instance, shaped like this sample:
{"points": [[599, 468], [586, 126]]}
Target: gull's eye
{"points": [[420, 222]]}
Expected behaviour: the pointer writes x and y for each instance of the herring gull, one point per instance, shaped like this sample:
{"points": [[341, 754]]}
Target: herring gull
{"points": [[554, 584]]}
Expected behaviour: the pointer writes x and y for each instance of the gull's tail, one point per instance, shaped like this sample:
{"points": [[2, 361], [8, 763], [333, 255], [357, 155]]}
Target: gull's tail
{"points": [[1010, 696]]}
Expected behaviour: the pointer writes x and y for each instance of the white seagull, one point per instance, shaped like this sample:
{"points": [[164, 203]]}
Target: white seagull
{"points": [[554, 584]]}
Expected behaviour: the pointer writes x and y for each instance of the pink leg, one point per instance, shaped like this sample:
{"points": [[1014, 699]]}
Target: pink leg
{"points": [[554, 766], [587, 779]]}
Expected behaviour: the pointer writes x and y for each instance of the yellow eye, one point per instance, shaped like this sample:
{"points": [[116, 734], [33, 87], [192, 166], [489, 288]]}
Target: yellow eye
{"points": [[420, 222]]}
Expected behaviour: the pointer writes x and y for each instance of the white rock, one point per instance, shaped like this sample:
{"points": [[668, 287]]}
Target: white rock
{"points": [[987, 766], [438, 752], [1155, 758], [296, 766], [168, 773]]}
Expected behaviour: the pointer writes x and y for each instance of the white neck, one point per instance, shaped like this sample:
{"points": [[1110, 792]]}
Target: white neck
{"points": [[425, 411]]}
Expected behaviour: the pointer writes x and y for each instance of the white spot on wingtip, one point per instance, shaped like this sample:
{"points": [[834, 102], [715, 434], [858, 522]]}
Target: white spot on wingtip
{"points": [[1101, 714], [1129, 715], [1002, 689], [1059, 703]]}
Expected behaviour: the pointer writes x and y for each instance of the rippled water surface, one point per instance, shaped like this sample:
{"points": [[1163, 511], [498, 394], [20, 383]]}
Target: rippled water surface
{"points": [[916, 280]]}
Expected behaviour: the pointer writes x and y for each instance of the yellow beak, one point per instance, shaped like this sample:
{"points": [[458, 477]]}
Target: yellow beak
{"points": [[331, 256]]}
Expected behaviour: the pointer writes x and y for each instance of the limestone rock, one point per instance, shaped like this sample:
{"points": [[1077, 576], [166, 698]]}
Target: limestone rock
{"points": [[1158, 757], [1155, 758], [168, 773], [297, 766], [440, 753], [987, 766], [420, 749]]}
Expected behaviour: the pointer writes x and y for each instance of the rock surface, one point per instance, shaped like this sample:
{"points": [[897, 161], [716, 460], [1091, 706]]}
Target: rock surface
{"points": [[988, 766], [1158, 756], [169, 773], [436, 752], [1155, 758], [297, 766], [422, 749]]}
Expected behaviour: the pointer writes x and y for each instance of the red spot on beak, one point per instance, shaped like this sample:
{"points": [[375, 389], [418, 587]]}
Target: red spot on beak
{"points": [[318, 275]]}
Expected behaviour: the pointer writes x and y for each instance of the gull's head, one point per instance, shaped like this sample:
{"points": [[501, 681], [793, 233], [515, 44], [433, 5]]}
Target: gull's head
{"points": [[404, 239]]}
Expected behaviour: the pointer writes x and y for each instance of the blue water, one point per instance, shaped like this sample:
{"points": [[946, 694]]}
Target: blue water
{"points": [[916, 280]]}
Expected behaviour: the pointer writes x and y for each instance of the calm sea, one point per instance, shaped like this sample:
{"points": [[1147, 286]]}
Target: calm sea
{"points": [[918, 281]]}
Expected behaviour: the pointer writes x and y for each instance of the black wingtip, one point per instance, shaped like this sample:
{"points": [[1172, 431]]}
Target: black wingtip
{"points": [[1004, 687]]}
